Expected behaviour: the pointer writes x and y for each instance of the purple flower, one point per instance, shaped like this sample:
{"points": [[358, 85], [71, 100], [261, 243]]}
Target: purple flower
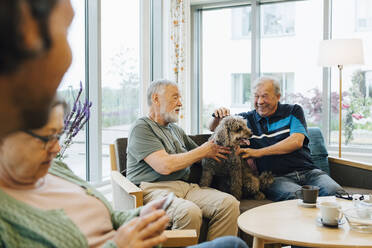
{"points": [[75, 121]]}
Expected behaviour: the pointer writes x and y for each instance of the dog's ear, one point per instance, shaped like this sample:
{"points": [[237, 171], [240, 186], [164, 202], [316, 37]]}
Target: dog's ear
{"points": [[222, 136]]}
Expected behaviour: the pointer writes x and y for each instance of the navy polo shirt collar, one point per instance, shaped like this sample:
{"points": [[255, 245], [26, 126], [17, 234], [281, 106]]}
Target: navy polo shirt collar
{"points": [[278, 113]]}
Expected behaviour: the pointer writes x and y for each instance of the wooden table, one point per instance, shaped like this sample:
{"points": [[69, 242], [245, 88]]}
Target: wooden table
{"points": [[288, 223]]}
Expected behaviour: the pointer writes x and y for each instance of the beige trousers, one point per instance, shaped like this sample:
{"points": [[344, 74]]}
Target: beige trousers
{"points": [[192, 203]]}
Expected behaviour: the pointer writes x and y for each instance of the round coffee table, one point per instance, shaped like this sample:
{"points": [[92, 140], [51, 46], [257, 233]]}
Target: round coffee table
{"points": [[289, 223]]}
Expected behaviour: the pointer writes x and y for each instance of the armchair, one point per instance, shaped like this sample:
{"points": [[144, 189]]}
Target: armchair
{"points": [[127, 195]]}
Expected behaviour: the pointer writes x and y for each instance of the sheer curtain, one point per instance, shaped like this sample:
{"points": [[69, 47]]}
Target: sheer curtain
{"points": [[179, 47]]}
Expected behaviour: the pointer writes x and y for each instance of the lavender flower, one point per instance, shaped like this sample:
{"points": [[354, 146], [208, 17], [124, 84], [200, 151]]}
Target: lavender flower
{"points": [[74, 122]]}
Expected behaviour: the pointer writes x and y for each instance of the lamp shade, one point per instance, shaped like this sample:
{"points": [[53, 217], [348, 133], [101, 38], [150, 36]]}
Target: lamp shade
{"points": [[340, 52]]}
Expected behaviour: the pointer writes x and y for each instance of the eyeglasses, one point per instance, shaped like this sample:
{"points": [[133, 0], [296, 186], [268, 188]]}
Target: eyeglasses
{"points": [[345, 195], [49, 141]]}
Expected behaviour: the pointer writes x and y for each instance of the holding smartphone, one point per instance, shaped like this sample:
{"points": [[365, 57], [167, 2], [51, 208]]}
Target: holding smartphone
{"points": [[168, 201]]}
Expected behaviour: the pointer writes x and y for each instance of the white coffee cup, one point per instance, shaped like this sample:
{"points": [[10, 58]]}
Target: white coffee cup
{"points": [[331, 213]]}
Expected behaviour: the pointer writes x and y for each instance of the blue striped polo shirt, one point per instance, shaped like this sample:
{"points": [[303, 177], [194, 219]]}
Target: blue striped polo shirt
{"points": [[268, 131]]}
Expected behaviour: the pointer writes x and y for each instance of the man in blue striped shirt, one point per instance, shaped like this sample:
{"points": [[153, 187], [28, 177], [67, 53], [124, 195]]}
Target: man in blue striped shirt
{"points": [[280, 143]]}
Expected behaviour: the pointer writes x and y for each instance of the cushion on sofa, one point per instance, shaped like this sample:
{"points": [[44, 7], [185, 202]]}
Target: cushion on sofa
{"points": [[318, 151]]}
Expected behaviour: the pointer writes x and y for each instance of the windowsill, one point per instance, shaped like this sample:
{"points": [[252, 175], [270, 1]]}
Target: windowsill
{"points": [[350, 161], [354, 156]]}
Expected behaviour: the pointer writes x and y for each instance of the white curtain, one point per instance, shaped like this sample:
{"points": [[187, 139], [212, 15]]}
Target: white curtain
{"points": [[179, 37]]}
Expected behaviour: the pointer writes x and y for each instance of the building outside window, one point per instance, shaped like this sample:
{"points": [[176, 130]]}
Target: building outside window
{"points": [[278, 19], [241, 89], [363, 15], [240, 23]]}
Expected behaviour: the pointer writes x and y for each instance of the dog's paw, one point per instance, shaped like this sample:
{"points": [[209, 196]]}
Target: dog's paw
{"points": [[266, 179], [259, 196]]}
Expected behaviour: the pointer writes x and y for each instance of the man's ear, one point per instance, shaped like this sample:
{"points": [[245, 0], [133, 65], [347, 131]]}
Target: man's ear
{"points": [[29, 29], [278, 96], [155, 98]]}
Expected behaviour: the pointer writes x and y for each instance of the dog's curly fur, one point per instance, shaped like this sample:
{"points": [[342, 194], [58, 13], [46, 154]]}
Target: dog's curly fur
{"points": [[238, 178]]}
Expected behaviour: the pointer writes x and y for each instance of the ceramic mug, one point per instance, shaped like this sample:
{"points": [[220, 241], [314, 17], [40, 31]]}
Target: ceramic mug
{"points": [[308, 193], [331, 213]]}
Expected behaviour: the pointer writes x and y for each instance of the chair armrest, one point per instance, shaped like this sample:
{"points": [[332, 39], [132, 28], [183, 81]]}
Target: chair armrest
{"points": [[126, 195], [180, 238]]}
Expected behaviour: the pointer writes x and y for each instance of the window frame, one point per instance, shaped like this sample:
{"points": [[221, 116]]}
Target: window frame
{"points": [[197, 70], [149, 17]]}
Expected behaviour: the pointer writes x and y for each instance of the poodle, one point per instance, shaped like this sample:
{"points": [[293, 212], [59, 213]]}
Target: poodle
{"points": [[238, 177]]}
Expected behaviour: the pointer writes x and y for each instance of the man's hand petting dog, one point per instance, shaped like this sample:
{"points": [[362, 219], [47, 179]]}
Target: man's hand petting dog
{"points": [[249, 152], [221, 113], [215, 151]]}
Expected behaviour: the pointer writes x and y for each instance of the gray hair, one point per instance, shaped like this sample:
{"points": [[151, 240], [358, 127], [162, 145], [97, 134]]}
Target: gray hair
{"points": [[275, 82], [157, 86]]}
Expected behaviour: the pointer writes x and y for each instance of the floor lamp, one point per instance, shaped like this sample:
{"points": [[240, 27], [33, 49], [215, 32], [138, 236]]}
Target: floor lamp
{"points": [[340, 52]]}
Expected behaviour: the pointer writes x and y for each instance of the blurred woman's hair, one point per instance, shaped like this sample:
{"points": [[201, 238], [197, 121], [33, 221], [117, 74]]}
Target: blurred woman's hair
{"points": [[58, 100]]}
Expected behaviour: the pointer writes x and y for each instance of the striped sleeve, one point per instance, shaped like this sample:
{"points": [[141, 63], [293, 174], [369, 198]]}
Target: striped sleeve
{"points": [[298, 122]]}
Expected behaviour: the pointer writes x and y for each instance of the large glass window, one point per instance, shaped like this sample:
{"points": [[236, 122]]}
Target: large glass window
{"points": [[226, 61], [120, 24], [352, 19], [292, 59], [75, 155]]}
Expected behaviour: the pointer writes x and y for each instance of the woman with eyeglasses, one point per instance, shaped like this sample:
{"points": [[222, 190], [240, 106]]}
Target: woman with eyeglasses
{"points": [[43, 204]]}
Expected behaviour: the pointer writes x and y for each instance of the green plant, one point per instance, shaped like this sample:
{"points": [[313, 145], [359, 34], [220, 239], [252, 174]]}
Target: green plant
{"points": [[357, 105]]}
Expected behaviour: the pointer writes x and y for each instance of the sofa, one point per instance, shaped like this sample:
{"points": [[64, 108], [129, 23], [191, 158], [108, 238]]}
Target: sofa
{"points": [[355, 177]]}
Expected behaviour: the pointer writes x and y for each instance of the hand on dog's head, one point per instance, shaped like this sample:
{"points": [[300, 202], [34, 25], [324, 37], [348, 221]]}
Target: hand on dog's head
{"points": [[232, 131]]}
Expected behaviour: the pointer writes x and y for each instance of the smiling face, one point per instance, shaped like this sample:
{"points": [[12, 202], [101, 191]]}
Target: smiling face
{"points": [[266, 99], [23, 159], [170, 104]]}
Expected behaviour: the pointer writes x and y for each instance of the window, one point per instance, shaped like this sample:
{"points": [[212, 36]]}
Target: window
{"points": [[76, 153], [292, 59], [363, 17], [120, 71], [241, 89], [357, 98], [117, 95], [226, 64], [287, 48]]}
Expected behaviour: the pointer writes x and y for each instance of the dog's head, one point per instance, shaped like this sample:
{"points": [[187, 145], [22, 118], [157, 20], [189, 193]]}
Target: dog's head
{"points": [[232, 131]]}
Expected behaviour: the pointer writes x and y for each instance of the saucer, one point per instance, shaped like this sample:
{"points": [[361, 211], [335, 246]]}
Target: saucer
{"points": [[340, 222], [301, 203]]}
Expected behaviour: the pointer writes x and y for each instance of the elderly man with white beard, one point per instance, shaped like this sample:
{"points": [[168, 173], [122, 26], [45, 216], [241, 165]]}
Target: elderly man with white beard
{"points": [[159, 158]]}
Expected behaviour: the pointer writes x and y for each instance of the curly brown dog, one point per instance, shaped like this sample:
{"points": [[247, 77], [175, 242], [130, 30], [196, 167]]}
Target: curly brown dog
{"points": [[238, 178]]}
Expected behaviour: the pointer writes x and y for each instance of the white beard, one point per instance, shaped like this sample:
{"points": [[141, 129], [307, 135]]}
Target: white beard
{"points": [[169, 117]]}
